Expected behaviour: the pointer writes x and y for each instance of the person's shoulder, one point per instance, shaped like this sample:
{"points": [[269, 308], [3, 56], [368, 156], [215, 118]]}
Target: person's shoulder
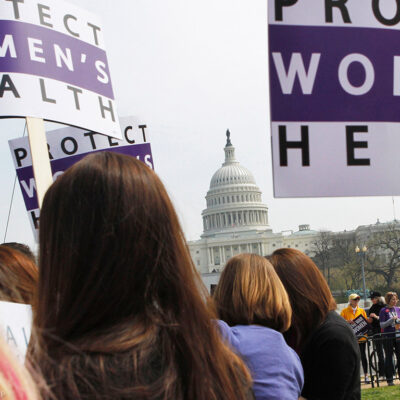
{"points": [[376, 308], [333, 333], [373, 308], [226, 332], [334, 326], [256, 330], [223, 326], [362, 311], [345, 310], [384, 310], [254, 334], [333, 318], [252, 340]]}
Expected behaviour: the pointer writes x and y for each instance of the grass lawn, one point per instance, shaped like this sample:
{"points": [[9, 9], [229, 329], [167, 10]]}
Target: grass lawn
{"points": [[382, 393]]}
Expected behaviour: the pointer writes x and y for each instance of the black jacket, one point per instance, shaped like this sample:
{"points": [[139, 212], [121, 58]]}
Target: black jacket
{"points": [[376, 308], [331, 362]]}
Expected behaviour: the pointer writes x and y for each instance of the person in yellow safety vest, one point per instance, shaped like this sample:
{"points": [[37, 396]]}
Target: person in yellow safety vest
{"points": [[349, 314]]}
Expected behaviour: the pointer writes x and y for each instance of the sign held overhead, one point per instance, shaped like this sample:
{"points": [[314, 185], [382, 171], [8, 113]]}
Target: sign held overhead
{"points": [[335, 97], [53, 65]]}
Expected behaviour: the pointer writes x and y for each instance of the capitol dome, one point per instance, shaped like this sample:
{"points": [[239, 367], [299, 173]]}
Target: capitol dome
{"points": [[231, 173], [233, 200]]}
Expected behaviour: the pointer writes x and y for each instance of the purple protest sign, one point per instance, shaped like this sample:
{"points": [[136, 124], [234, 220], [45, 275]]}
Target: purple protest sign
{"points": [[329, 101], [69, 145], [35, 50], [53, 66], [334, 98], [26, 180]]}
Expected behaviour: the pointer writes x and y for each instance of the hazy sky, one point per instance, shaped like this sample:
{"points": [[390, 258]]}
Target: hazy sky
{"points": [[190, 69]]}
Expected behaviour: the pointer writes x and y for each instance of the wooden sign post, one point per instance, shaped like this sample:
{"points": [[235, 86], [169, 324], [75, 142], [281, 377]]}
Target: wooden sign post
{"points": [[40, 156]]}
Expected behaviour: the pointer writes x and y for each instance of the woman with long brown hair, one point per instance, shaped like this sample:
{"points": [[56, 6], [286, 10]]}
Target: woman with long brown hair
{"points": [[18, 276], [254, 308], [121, 311], [325, 343]]}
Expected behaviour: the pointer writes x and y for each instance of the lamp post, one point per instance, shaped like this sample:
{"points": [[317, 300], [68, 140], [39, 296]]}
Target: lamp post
{"points": [[361, 253]]}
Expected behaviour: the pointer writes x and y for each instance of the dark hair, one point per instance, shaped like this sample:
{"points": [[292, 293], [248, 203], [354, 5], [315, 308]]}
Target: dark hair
{"points": [[308, 292], [250, 292], [18, 276], [122, 311]]}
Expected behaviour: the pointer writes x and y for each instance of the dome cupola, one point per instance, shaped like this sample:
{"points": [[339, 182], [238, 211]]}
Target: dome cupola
{"points": [[231, 171], [234, 199]]}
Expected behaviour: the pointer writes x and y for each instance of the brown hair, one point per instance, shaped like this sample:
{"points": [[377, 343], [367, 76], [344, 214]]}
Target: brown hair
{"points": [[308, 292], [18, 276], [122, 311], [23, 248], [250, 292], [389, 295]]}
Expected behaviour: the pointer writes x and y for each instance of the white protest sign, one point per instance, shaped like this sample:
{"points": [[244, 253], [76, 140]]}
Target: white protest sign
{"points": [[69, 145], [15, 326], [335, 97], [53, 65]]}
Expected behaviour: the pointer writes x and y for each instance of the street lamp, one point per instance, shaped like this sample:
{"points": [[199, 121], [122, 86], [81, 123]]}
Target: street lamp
{"points": [[361, 253]]}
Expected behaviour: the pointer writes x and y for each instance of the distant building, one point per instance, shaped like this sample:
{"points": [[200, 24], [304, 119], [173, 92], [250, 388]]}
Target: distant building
{"points": [[236, 221]]}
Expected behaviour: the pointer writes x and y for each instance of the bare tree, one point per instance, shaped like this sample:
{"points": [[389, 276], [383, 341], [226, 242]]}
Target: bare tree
{"points": [[322, 253], [383, 257], [343, 257], [343, 246]]}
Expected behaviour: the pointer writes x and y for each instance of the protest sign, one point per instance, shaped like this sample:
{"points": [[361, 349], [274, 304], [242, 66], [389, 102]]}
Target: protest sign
{"points": [[15, 326], [69, 145], [360, 326], [335, 97], [53, 65]]}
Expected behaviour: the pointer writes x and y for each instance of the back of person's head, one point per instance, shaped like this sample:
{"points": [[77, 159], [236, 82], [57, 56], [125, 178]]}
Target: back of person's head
{"points": [[23, 248], [121, 312], [250, 292], [15, 381], [18, 276], [308, 292]]}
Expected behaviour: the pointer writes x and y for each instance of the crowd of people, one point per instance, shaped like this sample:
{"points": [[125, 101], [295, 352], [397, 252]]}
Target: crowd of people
{"points": [[120, 312], [384, 319]]}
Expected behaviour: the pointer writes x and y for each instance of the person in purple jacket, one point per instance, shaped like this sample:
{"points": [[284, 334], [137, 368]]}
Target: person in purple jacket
{"points": [[389, 318], [254, 309]]}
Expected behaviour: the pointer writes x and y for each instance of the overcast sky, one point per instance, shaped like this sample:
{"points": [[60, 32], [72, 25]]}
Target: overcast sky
{"points": [[190, 69]]}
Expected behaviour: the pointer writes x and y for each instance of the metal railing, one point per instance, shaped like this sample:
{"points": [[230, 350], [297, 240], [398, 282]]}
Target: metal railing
{"points": [[378, 347]]}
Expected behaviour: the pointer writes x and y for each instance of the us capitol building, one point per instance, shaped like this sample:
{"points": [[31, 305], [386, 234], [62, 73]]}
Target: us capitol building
{"points": [[236, 221]]}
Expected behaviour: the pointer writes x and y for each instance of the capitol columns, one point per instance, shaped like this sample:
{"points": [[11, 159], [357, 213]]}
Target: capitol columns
{"points": [[211, 254], [262, 249]]}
